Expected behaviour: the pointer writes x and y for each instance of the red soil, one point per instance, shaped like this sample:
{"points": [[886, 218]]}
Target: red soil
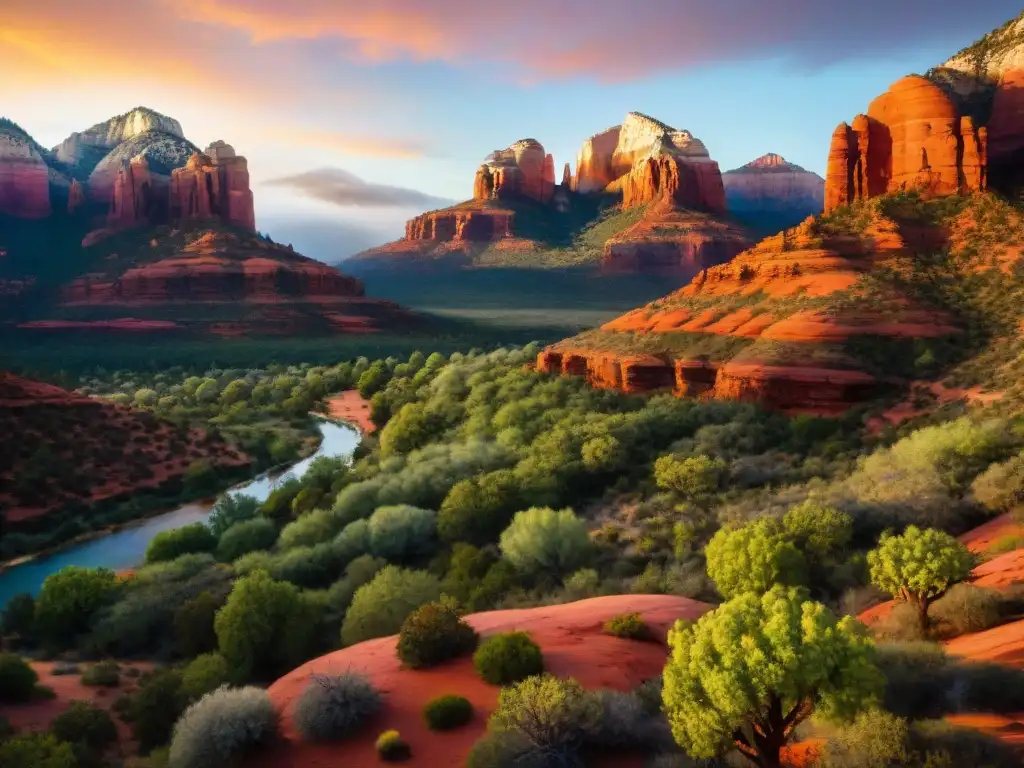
{"points": [[574, 646], [352, 407], [984, 536], [1002, 645], [906, 409]]}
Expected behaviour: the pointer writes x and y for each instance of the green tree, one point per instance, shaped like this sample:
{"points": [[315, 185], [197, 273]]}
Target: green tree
{"points": [[193, 625], [692, 477], [400, 532], [373, 379], [753, 558], [234, 392], [817, 530], [477, 510], [541, 540], [746, 674], [265, 628], [204, 674], [36, 750], [17, 679], [68, 600], [154, 709], [231, 508], [245, 537], [380, 607], [918, 566], [89, 730], [189, 539], [19, 616]]}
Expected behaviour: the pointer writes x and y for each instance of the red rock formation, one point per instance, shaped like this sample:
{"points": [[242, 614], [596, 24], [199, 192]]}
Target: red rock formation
{"points": [[460, 225], [134, 195], [1006, 125], [213, 185], [522, 170], [912, 137], [688, 183], [567, 177], [24, 179], [76, 197]]}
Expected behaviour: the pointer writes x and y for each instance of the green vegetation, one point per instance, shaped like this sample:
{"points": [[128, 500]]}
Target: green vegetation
{"points": [[434, 633], [628, 625], [222, 727], [392, 748], [17, 679], [446, 712], [105, 674], [508, 658]]}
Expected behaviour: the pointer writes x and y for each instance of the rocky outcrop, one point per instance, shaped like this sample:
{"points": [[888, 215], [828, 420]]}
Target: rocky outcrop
{"points": [[134, 197], [521, 170], [213, 186], [772, 187], [460, 225], [76, 197], [647, 161], [89, 146], [913, 137], [24, 177]]}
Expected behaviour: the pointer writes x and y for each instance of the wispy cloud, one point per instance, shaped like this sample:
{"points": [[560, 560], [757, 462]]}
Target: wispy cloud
{"points": [[353, 144], [340, 187]]}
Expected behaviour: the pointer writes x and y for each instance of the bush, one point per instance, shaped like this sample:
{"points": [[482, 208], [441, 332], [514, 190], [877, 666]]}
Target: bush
{"points": [[193, 625], [189, 539], [154, 709], [19, 616], [314, 527], [68, 600], [36, 750], [401, 532], [265, 628], [106, 674], [901, 625], [446, 712], [231, 509], [554, 715], [690, 477], [392, 748], [630, 720], [500, 749], [541, 540], [204, 674], [380, 607], [966, 608], [245, 537], [629, 625], [85, 725], [945, 746], [875, 738], [222, 726], [334, 707], [753, 558], [434, 633], [1001, 486], [508, 658], [17, 679]]}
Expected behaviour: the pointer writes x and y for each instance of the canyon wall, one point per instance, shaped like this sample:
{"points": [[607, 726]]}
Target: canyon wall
{"points": [[912, 137], [213, 185], [24, 178], [521, 170], [772, 189]]}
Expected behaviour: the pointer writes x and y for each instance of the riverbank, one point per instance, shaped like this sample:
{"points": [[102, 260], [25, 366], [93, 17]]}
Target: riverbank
{"points": [[349, 407]]}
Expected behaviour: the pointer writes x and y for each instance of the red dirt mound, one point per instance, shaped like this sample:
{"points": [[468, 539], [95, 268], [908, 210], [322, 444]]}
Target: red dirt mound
{"points": [[352, 407], [574, 646]]}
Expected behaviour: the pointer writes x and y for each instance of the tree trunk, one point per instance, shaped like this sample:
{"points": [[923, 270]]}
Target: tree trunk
{"points": [[922, 613]]}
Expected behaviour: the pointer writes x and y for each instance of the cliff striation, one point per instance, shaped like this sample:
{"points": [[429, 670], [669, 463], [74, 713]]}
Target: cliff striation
{"points": [[24, 175], [521, 170]]}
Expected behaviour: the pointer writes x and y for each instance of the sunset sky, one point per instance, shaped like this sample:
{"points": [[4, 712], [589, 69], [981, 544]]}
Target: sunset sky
{"points": [[357, 115]]}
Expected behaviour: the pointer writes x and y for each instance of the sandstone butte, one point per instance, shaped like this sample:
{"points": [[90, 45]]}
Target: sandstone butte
{"points": [[24, 177], [569, 635], [643, 162], [771, 184], [31, 409], [770, 326], [912, 137]]}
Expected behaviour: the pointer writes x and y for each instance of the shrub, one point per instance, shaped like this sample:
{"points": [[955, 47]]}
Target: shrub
{"points": [[478, 509], [36, 750], [508, 658], [875, 738], [106, 674], [314, 527], [193, 625], [753, 558], [541, 540], [629, 625], [917, 676], [222, 726], [691, 477], [554, 715], [1001, 485], [392, 748], [204, 674], [334, 707], [189, 539], [966, 608], [245, 537], [380, 606], [434, 633], [154, 709], [630, 720], [944, 745], [401, 532], [353, 541], [17, 679], [231, 509], [265, 628], [446, 712], [19, 616], [499, 749], [68, 600], [86, 725], [901, 625]]}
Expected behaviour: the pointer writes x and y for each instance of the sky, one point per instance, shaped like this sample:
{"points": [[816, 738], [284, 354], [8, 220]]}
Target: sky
{"points": [[356, 115]]}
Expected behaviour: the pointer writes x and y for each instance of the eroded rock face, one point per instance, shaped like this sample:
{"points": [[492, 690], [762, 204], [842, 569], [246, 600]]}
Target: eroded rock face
{"points": [[76, 197], [93, 143], [648, 161], [913, 137], [134, 197], [457, 225], [772, 185], [1006, 126], [213, 185], [24, 179], [521, 170]]}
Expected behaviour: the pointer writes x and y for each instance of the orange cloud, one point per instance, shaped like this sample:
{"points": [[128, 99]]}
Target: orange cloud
{"points": [[606, 39]]}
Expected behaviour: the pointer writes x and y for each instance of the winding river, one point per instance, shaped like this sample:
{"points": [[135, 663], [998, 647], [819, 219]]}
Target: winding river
{"points": [[126, 548]]}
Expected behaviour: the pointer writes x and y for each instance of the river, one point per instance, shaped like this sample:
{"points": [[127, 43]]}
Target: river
{"points": [[126, 548]]}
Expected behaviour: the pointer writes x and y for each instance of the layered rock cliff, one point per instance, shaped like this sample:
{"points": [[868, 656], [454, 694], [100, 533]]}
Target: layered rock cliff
{"points": [[773, 193], [163, 153], [521, 170], [213, 185], [84, 150], [912, 137], [24, 175]]}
